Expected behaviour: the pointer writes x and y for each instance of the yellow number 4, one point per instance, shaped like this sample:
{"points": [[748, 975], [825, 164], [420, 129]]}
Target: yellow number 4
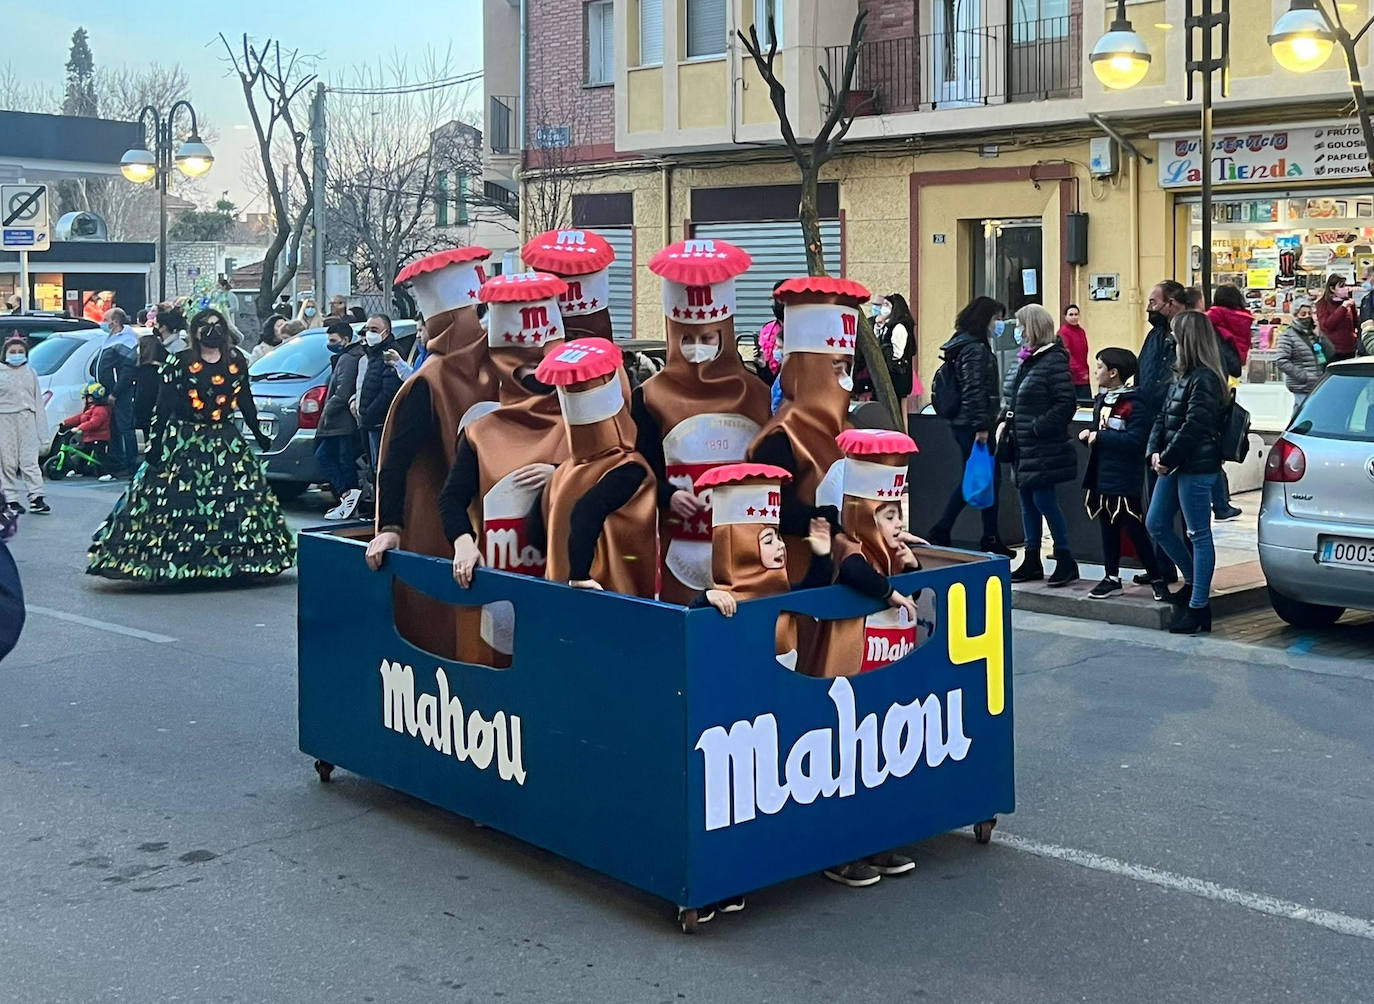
{"points": [[965, 648]]}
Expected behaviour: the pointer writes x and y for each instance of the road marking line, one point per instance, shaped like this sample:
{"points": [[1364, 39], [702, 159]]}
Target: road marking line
{"points": [[1259, 902], [62, 615]]}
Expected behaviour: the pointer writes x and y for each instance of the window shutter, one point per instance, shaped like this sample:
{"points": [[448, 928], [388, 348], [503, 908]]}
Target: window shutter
{"points": [[607, 43], [650, 32], [600, 40], [461, 198], [705, 28]]}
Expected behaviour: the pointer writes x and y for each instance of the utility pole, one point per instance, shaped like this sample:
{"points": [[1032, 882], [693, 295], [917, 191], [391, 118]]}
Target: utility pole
{"points": [[1205, 18], [321, 167]]}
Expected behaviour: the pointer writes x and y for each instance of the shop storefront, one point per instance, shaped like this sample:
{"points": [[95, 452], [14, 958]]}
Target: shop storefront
{"points": [[1292, 206], [84, 277]]}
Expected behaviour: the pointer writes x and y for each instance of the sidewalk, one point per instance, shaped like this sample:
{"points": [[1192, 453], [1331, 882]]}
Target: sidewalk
{"points": [[1237, 587]]}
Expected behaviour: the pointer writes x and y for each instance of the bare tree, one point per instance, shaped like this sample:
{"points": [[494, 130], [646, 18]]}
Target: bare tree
{"points": [[272, 80], [811, 158], [21, 93], [549, 174]]}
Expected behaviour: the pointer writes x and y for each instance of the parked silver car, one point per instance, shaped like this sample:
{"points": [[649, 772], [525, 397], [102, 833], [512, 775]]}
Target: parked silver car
{"points": [[1316, 524]]}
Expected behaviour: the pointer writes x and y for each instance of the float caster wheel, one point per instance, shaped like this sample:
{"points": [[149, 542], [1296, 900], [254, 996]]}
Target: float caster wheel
{"points": [[687, 920], [982, 832], [324, 768]]}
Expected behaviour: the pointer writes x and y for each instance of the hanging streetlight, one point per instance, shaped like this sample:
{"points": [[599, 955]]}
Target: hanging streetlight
{"points": [[1120, 59], [1302, 38]]}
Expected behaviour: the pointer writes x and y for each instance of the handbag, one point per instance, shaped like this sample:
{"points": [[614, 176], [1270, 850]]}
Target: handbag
{"points": [[1235, 433], [980, 475], [1004, 438]]}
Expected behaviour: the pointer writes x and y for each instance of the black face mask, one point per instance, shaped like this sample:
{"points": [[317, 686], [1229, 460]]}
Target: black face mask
{"points": [[213, 337], [1157, 320], [534, 385]]}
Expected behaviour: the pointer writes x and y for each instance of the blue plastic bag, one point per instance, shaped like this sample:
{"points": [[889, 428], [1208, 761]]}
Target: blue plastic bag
{"points": [[980, 473]]}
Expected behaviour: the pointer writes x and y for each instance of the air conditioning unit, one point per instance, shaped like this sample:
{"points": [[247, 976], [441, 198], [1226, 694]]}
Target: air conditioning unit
{"points": [[82, 227]]}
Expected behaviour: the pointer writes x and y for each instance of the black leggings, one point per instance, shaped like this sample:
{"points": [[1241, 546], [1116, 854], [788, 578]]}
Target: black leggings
{"points": [[964, 436], [1111, 543]]}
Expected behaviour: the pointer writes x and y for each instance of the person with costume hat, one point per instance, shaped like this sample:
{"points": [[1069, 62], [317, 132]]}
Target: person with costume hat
{"points": [[702, 410], [582, 258], [420, 436], [597, 521], [506, 454]]}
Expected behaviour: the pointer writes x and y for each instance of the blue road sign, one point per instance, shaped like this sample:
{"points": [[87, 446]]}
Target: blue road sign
{"points": [[19, 237]]}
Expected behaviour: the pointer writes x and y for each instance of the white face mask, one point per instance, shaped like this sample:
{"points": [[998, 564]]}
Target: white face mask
{"points": [[16, 359], [374, 338], [700, 353], [885, 310], [846, 383]]}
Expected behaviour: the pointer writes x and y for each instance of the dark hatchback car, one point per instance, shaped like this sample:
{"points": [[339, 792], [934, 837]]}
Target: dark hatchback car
{"points": [[289, 385], [38, 326]]}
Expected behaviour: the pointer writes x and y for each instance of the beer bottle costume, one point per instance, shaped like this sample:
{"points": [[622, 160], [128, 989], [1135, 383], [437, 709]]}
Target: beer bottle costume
{"points": [[821, 321], [746, 501], [480, 497], [697, 413], [420, 438], [875, 469], [599, 515]]}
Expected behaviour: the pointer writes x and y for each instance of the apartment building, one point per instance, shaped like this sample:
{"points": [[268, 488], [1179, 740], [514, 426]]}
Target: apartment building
{"points": [[985, 156]]}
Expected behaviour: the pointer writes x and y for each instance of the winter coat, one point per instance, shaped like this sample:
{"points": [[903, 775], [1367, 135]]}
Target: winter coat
{"points": [[1337, 322], [1075, 341], [975, 368], [1187, 430], [1234, 326], [116, 363], [1297, 357], [380, 384], [147, 385], [1156, 366], [898, 347], [93, 423], [335, 417], [21, 395], [1114, 459], [1043, 401]]}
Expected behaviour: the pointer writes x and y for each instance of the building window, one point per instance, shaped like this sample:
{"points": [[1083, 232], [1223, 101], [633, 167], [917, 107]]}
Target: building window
{"points": [[441, 201], [705, 28], [600, 34], [450, 199], [764, 12], [460, 199], [650, 32]]}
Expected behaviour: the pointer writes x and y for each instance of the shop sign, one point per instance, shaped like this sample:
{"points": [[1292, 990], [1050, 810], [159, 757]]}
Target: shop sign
{"points": [[1266, 156]]}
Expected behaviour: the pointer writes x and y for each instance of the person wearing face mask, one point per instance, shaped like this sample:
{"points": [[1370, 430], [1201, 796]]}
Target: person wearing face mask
{"points": [[894, 327], [271, 337], [970, 358], [1367, 301], [200, 508], [1336, 317], [168, 339], [115, 367], [23, 425], [507, 451], [770, 348], [1167, 300], [702, 410], [380, 381], [336, 437]]}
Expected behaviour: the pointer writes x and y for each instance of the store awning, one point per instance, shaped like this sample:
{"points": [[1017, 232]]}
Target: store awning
{"points": [[37, 147]]}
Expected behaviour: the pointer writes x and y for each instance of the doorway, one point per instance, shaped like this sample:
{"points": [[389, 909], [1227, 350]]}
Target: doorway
{"points": [[1008, 266]]}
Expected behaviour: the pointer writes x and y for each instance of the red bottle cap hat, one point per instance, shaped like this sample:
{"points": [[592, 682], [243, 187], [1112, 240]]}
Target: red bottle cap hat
{"points": [[876, 443], [446, 280], [865, 479], [744, 493], [568, 252], [738, 474], [825, 285], [523, 310], [579, 361], [700, 262]]}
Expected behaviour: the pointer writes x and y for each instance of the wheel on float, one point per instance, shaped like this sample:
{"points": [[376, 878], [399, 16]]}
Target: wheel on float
{"points": [[687, 920], [324, 768], [982, 832]]}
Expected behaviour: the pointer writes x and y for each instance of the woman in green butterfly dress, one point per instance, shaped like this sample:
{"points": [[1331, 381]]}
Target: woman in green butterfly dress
{"points": [[199, 507]]}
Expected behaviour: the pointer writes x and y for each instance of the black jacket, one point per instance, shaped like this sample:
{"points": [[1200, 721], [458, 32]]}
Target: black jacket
{"points": [[380, 384], [1114, 458], [1043, 401], [335, 418], [975, 367], [1187, 430], [11, 603], [1156, 366]]}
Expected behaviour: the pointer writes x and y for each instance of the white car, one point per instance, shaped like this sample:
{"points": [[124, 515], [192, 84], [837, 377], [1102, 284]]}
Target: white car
{"points": [[65, 364]]}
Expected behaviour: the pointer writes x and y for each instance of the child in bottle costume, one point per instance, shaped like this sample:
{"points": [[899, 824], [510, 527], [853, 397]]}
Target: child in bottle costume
{"points": [[702, 410], [506, 454], [420, 438], [598, 517]]}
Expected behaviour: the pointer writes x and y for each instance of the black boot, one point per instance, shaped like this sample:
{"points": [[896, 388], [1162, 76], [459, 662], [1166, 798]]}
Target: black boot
{"points": [[1191, 620], [939, 536], [994, 545], [1030, 569], [1065, 569]]}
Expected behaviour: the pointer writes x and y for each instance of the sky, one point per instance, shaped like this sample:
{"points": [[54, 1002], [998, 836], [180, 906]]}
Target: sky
{"points": [[342, 33]]}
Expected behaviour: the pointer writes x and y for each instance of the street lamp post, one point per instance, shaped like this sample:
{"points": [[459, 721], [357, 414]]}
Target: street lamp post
{"points": [[1204, 16], [140, 165]]}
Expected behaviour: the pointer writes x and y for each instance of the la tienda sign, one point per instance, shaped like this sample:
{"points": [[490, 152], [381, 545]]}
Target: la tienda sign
{"points": [[1266, 156]]}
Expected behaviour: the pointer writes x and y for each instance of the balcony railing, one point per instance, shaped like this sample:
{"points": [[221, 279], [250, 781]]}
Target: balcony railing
{"points": [[502, 198], [503, 124], [993, 64]]}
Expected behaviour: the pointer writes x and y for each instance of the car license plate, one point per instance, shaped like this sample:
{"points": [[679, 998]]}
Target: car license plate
{"points": [[267, 424], [1352, 552]]}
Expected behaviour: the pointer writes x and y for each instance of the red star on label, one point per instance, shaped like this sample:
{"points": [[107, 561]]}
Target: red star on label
{"points": [[714, 312], [830, 341], [751, 511], [509, 337], [701, 315], [520, 339], [594, 303], [582, 305], [472, 294], [676, 312]]}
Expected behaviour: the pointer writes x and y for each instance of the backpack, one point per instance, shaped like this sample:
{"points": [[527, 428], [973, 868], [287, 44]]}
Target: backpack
{"points": [[944, 389], [1235, 433], [1230, 358]]}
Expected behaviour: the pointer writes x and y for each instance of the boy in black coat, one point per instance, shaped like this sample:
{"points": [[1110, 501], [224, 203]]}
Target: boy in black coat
{"points": [[1121, 426]]}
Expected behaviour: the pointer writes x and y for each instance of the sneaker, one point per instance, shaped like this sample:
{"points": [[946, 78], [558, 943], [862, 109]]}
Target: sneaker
{"points": [[39, 505], [73, 474], [1229, 513], [892, 863], [1161, 590], [1107, 587], [348, 502], [16, 508], [106, 477], [732, 905], [856, 874], [1143, 579], [704, 915]]}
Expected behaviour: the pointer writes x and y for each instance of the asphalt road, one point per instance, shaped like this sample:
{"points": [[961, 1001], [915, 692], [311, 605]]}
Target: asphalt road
{"points": [[1196, 822]]}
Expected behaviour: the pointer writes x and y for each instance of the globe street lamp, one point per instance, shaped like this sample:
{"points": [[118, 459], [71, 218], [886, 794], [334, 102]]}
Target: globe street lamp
{"points": [[1302, 38], [140, 165], [1120, 59]]}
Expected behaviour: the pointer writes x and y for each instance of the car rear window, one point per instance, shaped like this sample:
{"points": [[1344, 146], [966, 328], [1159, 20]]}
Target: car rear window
{"points": [[304, 354], [1342, 407], [48, 355]]}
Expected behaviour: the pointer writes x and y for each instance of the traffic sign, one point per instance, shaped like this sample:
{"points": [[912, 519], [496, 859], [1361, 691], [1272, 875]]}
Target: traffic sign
{"points": [[24, 220]]}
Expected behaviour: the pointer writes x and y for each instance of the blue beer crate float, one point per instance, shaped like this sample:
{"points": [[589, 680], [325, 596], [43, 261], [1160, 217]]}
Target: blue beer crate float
{"points": [[661, 746]]}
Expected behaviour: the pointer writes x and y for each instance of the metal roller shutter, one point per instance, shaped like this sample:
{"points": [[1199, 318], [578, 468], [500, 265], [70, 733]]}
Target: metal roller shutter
{"points": [[622, 279], [778, 253]]}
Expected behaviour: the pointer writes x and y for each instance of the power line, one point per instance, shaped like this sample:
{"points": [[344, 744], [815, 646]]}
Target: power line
{"points": [[403, 89]]}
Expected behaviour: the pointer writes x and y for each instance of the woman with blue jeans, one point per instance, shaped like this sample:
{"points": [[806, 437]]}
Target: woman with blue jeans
{"points": [[1041, 405], [1185, 452]]}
